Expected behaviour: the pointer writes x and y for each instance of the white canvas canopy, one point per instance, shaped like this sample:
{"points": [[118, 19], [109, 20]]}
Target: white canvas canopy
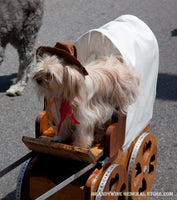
{"points": [[131, 38]]}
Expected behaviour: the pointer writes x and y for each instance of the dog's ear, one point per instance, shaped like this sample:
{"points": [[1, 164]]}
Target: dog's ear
{"points": [[73, 83]]}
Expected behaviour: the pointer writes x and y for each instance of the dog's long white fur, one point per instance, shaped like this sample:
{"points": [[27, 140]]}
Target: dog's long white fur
{"points": [[111, 84]]}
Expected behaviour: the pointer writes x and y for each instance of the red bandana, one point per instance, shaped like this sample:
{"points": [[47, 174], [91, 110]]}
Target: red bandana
{"points": [[64, 110]]}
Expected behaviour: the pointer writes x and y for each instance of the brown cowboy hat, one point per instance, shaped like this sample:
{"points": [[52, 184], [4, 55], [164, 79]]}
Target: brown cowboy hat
{"points": [[67, 51]]}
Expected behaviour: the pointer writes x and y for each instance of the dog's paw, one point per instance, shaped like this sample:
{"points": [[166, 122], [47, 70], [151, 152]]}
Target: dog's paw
{"points": [[76, 144], [15, 90], [86, 143], [57, 139]]}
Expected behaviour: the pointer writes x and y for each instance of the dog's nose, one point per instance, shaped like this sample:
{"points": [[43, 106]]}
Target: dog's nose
{"points": [[39, 80]]}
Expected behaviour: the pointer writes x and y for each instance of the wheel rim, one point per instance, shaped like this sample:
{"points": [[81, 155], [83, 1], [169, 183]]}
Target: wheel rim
{"points": [[142, 166], [114, 184], [20, 180]]}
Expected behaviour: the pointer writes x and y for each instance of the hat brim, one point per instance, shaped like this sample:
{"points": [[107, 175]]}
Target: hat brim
{"points": [[63, 54]]}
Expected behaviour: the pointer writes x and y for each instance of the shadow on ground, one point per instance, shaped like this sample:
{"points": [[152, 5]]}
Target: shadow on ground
{"points": [[6, 81], [167, 87], [10, 196]]}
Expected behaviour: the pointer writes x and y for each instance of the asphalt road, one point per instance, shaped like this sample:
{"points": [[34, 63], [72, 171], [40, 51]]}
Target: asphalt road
{"points": [[65, 21]]}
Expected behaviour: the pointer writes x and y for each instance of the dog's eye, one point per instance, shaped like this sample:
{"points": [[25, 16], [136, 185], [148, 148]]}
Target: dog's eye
{"points": [[39, 80]]}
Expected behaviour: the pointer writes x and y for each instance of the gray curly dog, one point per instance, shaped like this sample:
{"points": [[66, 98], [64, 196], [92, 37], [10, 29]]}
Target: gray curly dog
{"points": [[20, 21]]}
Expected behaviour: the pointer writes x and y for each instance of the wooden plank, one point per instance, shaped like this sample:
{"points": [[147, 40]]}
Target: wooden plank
{"points": [[96, 151], [115, 136], [44, 145]]}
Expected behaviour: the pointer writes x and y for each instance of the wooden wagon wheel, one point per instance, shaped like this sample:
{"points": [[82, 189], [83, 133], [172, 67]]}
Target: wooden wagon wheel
{"points": [[142, 166], [113, 184]]}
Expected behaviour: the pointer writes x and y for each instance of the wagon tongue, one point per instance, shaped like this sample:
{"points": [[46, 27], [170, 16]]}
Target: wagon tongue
{"points": [[16, 164]]}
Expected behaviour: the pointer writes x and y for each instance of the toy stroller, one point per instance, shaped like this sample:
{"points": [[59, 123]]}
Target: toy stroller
{"points": [[124, 164]]}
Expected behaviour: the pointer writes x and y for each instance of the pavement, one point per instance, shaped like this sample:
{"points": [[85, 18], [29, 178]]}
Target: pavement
{"points": [[66, 21]]}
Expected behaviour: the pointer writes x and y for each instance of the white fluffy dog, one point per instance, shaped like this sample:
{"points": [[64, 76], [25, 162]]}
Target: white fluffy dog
{"points": [[84, 99]]}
